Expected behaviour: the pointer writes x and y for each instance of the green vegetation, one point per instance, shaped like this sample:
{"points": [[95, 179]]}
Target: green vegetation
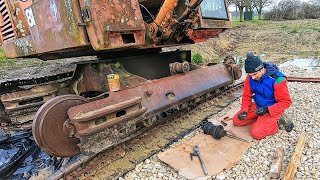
{"points": [[297, 28], [197, 58], [240, 62], [236, 22], [4, 60], [289, 29], [6, 64]]}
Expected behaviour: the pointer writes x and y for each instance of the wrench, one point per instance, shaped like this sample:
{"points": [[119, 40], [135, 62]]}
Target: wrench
{"points": [[196, 152]]}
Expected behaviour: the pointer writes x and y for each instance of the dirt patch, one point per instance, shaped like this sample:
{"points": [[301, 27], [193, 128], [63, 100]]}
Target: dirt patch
{"points": [[275, 41]]}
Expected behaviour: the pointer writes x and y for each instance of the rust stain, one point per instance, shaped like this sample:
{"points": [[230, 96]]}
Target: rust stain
{"points": [[198, 82], [130, 23], [24, 45]]}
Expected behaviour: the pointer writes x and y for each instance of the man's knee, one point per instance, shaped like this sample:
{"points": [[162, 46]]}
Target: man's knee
{"points": [[258, 134], [261, 130]]}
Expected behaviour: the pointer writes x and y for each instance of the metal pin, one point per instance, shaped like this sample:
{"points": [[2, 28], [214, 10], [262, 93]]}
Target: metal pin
{"points": [[196, 152], [236, 137]]}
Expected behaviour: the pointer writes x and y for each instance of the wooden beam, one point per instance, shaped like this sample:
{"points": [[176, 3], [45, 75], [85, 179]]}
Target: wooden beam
{"points": [[276, 165], [295, 160]]}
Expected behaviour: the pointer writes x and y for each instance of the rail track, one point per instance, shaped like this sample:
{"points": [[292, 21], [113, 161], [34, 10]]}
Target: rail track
{"points": [[304, 80], [118, 160]]}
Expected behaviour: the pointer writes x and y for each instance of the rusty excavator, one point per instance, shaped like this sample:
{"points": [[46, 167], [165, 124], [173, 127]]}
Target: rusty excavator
{"points": [[130, 86]]}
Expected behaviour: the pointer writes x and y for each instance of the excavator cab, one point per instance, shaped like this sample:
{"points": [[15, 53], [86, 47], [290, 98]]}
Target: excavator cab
{"points": [[211, 9]]}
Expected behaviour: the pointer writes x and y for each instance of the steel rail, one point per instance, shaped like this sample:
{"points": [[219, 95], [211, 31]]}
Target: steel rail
{"points": [[306, 80]]}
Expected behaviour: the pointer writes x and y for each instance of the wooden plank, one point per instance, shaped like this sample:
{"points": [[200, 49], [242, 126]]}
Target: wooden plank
{"points": [[217, 155], [276, 165], [295, 160]]}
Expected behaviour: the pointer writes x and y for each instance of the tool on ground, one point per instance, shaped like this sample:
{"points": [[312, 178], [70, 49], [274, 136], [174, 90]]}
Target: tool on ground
{"points": [[223, 123], [196, 152], [217, 131], [285, 123], [227, 119]]}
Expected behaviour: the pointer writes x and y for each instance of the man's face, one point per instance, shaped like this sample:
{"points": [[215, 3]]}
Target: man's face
{"points": [[256, 75]]}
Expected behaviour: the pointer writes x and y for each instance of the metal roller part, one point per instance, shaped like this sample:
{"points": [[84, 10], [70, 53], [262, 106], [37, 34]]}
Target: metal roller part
{"points": [[217, 131], [48, 126], [177, 68]]}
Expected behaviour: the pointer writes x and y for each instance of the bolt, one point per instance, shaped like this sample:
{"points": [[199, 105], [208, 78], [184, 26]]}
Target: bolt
{"points": [[148, 93]]}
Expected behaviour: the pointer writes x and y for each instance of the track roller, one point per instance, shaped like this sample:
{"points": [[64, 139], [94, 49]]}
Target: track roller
{"points": [[49, 126]]}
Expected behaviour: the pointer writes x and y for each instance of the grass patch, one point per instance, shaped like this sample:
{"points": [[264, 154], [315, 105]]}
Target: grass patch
{"points": [[289, 29], [3, 59], [294, 28], [197, 58], [6, 64], [236, 22]]}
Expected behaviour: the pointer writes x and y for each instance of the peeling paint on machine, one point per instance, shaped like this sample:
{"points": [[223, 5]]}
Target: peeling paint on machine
{"points": [[118, 23], [24, 45], [92, 27]]}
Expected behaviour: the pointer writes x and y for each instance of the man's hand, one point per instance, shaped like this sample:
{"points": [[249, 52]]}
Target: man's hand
{"points": [[242, 115], [262, 110]]}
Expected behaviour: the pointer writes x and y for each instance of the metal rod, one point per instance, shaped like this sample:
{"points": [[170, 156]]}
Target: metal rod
{"points": [[236, 137], [203, 167]]}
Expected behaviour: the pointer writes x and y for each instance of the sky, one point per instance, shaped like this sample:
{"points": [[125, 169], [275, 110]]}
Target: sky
{"points": [[232, 8]]}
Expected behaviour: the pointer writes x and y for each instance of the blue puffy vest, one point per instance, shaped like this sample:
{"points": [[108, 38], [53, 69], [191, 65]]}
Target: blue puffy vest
{"points": [[263, 90]]}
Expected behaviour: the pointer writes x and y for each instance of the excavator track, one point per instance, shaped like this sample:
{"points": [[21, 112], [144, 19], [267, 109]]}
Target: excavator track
{"points": [[118, 160], [16, 84], [21, 98], [123, 115]]}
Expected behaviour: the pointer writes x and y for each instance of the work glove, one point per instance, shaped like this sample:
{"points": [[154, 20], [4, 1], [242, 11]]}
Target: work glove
{"points": [[262, 110], [242, 115]]}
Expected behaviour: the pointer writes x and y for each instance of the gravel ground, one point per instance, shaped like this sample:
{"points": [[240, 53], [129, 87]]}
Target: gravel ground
{"points": [[256, 161]]}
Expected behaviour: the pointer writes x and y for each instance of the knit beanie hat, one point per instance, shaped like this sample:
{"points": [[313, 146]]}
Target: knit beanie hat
{"points": [[252, 63]]}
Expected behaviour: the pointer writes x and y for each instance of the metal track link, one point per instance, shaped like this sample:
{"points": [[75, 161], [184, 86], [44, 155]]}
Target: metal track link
{"points": [[21, 98], [118, 160], [15, 84]]}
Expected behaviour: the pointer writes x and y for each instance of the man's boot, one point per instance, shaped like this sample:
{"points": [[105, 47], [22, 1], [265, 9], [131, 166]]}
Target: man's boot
{"points": [[285, 123]]}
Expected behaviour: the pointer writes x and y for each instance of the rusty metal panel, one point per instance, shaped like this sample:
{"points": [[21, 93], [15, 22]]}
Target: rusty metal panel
{"points": [[54, 25], [15, 30], [210, 23], [156, 96], [113, 23], [202, 35], [19, 47], [18, 16]]}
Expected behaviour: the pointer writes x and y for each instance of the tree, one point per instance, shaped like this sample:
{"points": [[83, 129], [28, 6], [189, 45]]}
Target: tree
{"points": [[250, 5], [259, 4], [290, 8], [241, 4], [309, 11], [286, 9]]}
